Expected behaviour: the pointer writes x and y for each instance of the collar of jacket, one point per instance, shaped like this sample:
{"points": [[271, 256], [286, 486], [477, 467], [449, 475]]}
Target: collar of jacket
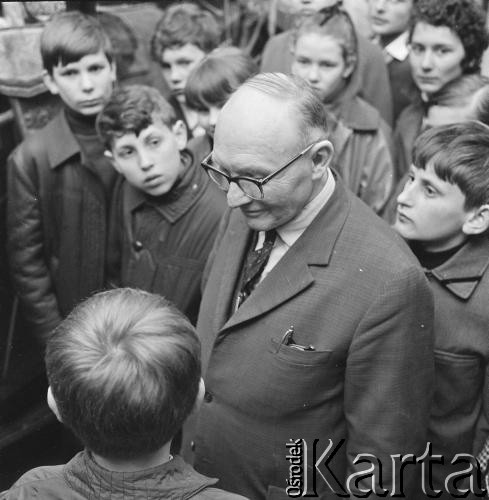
{"points": [[162, 481], [62, 144], [462, 273], [355, 113], [173, 205]]}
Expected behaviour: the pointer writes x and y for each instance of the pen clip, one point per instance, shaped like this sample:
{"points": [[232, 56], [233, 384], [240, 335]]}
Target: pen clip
{"points": [[286, 337]]}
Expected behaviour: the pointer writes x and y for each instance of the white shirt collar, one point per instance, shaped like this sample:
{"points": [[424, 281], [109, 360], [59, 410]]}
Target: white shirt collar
{"points": [[398, 48], [292, 230]]}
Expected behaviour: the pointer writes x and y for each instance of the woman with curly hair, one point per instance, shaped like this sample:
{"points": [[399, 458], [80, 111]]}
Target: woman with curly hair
{"points": [[447, 39]]}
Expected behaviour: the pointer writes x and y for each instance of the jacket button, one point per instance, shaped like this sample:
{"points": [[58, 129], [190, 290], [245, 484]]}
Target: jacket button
{"points": [[208, 397], [192, 445], [137, 245]]}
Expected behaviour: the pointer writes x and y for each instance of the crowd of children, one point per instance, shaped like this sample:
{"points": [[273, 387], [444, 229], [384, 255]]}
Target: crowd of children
{"points": [[110, 195]]}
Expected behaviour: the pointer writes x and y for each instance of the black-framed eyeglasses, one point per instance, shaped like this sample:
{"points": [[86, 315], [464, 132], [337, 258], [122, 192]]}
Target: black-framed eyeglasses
{"points": [[253, 188]]}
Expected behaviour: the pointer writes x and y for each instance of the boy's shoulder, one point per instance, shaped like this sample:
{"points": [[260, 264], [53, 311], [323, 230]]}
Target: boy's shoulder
{"points": [[41, 482], [49, 145]]}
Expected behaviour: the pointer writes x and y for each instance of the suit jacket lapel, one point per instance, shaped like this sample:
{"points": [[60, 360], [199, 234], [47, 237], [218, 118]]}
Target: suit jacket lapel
{"points": [[234, 254]]}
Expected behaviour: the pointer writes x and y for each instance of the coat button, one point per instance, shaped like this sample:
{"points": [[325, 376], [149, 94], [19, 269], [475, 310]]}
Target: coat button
{"points": [[137, 245], [208, 397], [192, 445]]}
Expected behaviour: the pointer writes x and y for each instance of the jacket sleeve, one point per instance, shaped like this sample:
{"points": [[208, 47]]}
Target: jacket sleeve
{"points": [[25, 244], [389, 380]]}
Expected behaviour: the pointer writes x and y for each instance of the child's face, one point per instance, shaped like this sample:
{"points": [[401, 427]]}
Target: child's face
{"points": [[389, 17], [431, 211], [311, 6], [151, 161], [319, 60], [177, 63], [436, 56], [207, 119], [85, 85]]}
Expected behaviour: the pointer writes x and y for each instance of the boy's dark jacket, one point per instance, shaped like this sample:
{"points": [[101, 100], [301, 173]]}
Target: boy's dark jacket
{"points": [[459, 418], [57, 218], [83, 478], [161, 244]]}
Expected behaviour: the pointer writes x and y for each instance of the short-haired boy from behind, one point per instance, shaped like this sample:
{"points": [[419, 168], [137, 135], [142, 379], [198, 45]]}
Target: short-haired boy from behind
{"points": [[443, 212], [124, 373], [59, 181], [166, 213]]}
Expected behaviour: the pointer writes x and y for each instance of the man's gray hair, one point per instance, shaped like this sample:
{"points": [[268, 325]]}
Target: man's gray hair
{"points": [[311, 113]]}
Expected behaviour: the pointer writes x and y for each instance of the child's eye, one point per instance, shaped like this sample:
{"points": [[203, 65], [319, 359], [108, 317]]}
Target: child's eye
{"points": [[429, 191], [154, 142], [417, 49], [126, 153], [69, 72], [96, 68], [442, 50], [302, 62]]}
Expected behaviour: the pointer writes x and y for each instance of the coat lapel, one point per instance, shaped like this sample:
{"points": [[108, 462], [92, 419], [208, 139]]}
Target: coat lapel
{"points": [[233, 255]]}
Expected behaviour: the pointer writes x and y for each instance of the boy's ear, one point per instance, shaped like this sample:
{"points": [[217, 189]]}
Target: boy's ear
{"points": [[113, 71], [52, 405], [180, 132], [50, 83], [200, 396], [322, 154], [477, 221], [108, 154]]}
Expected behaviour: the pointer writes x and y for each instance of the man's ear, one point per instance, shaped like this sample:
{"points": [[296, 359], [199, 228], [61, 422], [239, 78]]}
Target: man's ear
{"points": [[322, 155], [52, 404], [108, 154], [477, 221], [50, 83], [180, 132], [349, 67]]}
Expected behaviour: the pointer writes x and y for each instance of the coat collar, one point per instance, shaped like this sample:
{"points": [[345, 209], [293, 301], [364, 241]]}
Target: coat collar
{"points": [[462, 273], [86, 476], [62, 144], [178, 201], [292, 273]]}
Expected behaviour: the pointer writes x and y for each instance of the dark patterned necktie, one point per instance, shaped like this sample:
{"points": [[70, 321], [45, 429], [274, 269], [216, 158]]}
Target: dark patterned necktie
{"points": [[255, 262]]}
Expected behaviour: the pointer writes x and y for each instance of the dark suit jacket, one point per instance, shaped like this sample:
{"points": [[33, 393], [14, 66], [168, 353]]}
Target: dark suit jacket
{"points": [[352, 289]]}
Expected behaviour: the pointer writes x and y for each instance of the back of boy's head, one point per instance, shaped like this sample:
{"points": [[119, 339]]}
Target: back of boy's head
{"points": [[69, 36], [124, 370], [131, 109], [185, 23], [217, 76], [459, 154], [336, 24]]}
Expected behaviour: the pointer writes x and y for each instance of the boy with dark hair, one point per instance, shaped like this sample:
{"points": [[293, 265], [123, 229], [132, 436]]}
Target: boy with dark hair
{"points": [[443, 212], [182, 37], [124, 374], [59, 181], [166, 212]]}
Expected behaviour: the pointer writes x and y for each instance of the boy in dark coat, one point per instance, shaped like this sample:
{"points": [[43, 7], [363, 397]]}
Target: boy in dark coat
{"points": [[167, 211], [124, 373], [59, 181], [443, 212]]}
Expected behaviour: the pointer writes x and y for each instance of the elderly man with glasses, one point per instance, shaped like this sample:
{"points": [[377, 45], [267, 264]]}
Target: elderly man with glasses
{"points": [[315, 321]]}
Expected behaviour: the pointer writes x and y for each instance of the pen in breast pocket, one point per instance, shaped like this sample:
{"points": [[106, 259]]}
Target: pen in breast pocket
{"points": [[288, 340]]}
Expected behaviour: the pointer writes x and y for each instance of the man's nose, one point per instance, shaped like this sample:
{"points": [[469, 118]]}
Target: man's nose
{"points": [[213, 114], [86, 81], [236, 197]]}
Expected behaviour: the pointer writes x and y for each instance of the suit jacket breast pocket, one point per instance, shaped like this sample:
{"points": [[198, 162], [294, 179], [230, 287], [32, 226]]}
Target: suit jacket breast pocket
{"points": [[304, 379]]}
